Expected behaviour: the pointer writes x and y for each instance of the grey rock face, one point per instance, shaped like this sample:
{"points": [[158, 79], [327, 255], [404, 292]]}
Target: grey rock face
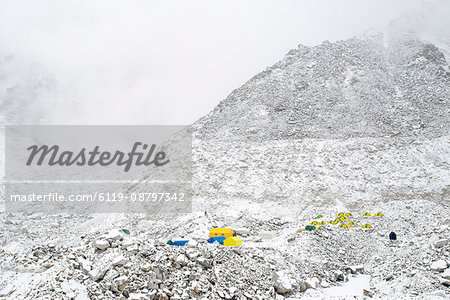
{"points": [[362, 87]]}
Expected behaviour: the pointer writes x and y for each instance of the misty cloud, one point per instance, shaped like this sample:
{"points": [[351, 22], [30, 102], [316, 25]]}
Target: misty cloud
{"points": [[156, 62]]}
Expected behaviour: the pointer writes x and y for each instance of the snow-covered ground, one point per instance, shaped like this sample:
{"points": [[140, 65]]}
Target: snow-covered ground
{"points": [[43, 255]]}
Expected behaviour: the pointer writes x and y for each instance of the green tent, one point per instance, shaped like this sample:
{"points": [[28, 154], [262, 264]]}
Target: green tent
{"points": [[310, 228], [319, 216], [169, 242]]}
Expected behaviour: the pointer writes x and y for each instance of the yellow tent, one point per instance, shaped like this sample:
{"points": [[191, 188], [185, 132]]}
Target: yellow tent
{"points": [[351, 223], [344, 226], [348, 215], [313, 223], [232, 241], [339, 214], [334, 223], [366, 226], [226, 232], [366, 214], [321, 223], [341, 219], [378, 215]]}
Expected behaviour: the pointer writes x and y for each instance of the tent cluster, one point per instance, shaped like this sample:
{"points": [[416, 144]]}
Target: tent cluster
{"points": [[348, 225], [177, 243], [342, 220], [341, 214], [321, 223], [366, 214], [226, 232], [218, 239], [223, 236]]}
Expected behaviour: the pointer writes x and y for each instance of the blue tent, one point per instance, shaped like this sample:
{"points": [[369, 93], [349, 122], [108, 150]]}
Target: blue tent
{"points": [[219, 239], [180, 243]]}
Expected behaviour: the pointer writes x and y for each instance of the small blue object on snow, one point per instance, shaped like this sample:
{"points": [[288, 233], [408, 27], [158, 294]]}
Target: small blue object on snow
{"points": [[392, 236], [218, 239], [205, 213], [179, 243]]}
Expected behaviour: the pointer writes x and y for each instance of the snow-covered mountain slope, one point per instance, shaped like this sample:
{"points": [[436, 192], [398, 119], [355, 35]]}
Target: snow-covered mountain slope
{"points": [[355, 172], [352, 122], [370, 86]]}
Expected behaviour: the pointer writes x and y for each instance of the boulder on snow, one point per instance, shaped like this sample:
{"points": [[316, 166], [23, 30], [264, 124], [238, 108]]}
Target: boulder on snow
{"points": [[146, 267], [133, 249], [192, 254], [120, 280], [439, 265], [160, 274], [182, 260], [101, 244], [367, 293], [312, 283], [114, 235], [445, 281], [282, 283], [128, 243], [205, 263], [356, 269], [242, 231], [440, 243], [302, 286], [338, 276], [119, 261], [97, 274], [137, 296], [85, 265], [446, 274], [267, 235], [192, 243]]}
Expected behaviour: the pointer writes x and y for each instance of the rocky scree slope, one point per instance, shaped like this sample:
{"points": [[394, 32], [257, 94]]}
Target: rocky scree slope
{"points": [[363, 87], [356, 121], [90, 258]]}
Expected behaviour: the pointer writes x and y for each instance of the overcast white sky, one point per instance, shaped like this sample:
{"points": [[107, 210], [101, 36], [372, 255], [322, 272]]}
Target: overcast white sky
{"points": [[170, 62]]}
